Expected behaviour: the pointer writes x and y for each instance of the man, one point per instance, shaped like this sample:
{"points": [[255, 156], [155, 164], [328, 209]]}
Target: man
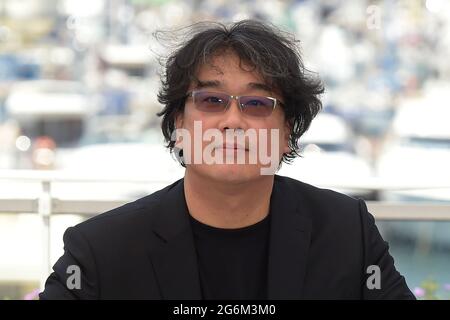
{"points": [[230, 229]]}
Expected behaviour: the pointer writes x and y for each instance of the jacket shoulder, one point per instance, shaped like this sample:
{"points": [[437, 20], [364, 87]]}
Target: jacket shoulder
{"points": [[127, 218], [323, 205], [314, 193]]}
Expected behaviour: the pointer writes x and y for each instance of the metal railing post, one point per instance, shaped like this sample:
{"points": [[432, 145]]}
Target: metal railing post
{"points": [[45, 211]]}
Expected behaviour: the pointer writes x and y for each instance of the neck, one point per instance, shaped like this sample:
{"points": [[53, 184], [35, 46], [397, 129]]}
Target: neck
{"points": [[227, 205]]}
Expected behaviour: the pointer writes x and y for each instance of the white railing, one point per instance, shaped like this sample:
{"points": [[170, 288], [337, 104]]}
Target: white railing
{"points": [[47, 205]]}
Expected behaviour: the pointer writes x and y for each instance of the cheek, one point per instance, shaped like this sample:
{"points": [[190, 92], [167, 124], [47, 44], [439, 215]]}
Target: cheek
{"points": [[188, 117], [270, 137], [192, 116], [282, 134]]}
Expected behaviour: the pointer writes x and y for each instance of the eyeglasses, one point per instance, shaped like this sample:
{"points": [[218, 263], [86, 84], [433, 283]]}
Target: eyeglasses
{"points": [[254, 106]]}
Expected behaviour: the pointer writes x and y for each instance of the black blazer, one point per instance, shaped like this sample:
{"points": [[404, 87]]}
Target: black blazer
{"points": [[321, 243]]}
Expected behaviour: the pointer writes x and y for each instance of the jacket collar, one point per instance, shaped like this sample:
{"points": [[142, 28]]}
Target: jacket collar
{"points": [[289, 242], [174, 257]]}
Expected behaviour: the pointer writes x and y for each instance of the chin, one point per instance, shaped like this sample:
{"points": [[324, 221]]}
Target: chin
{"points": [[229, 173]]}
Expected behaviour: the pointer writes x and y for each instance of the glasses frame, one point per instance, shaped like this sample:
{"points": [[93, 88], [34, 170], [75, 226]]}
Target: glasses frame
{"points": [[237, 98]]}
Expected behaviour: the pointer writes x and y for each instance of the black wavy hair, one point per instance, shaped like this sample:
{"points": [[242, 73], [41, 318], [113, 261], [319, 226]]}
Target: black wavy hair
{"points": [[273, 53]]}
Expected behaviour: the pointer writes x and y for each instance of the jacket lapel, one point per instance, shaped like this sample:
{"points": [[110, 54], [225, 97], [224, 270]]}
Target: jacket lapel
{"points": [[289, 242], [174, 257]]}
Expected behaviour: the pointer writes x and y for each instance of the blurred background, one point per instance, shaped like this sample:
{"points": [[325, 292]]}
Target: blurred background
{"points": [[79, 132]]}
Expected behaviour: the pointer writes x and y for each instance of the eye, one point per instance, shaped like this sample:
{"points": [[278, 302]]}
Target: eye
{"points": [[255, 103], [212, 99]]}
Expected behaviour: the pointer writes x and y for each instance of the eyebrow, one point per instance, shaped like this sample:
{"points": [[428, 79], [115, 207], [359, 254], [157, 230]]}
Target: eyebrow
{"points": [[259, 86], [207, 84], [216, 84]]}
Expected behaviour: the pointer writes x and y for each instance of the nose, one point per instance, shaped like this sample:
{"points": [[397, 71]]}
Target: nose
{"points": [[232, 117]]}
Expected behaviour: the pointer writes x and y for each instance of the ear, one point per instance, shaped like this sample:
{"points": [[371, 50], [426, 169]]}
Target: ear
{"points": [[287, 133], [178, 121]]}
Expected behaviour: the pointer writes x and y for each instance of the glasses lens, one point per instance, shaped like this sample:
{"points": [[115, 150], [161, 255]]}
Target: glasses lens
{"points": [[257, 106], [210, 101]]}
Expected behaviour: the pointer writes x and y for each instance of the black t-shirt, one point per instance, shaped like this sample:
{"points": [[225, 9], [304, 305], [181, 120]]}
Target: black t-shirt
{"points": [[232, 262]]}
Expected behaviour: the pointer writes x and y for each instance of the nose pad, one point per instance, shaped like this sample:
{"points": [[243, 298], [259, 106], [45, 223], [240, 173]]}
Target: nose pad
{"points": [[232, 118], [234, 103]]}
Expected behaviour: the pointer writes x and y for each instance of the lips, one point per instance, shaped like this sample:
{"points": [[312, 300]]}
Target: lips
{"points": [[232, 146]]}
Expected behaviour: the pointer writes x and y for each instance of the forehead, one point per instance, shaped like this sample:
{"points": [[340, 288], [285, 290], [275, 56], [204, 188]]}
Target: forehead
{"points": [[228, 66]]}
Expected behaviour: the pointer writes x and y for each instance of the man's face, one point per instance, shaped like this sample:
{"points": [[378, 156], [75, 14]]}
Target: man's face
{"points": [[223, 74]]}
